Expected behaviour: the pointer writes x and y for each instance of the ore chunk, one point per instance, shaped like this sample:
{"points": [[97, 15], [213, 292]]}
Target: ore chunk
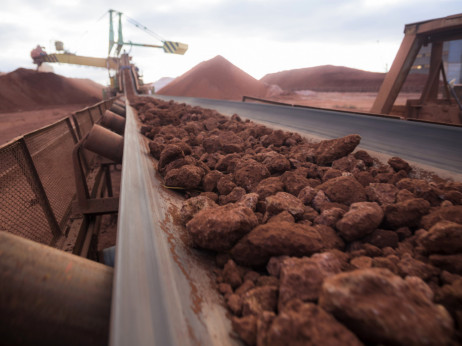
{"points": [[407, 213], [362, 219], [269, 186], [445, 237], [452, 213], [187, 176], [211, 179], [193, 205], [382, 308], [220, 228], [382, 193], [294, 182], [383, 238], [306, 324], [302, 278], [333, 149], [170, 153], [365, 157], [283, 201], [275, 162], [307, 194], [346, 190], [231, 274], [249, 173], [276, 239], [246, 328], [399, 164], [259, 299]]}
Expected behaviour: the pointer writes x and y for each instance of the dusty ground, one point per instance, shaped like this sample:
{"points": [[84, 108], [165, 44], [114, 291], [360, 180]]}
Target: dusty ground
{"points": [[19, 123], [354, 101]]}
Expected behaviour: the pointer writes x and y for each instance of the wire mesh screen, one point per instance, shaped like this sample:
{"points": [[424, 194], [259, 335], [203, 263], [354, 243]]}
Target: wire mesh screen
{"points": [[83, 122], [51, 151], [21, 210], [37, 179]]}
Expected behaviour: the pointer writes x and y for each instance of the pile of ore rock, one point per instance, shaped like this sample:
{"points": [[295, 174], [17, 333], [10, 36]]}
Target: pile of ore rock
{"points": [[317, 244]]}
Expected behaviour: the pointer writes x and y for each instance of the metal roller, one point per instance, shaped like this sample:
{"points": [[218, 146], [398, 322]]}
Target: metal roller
{"points": [[105, 143], [113, 122], [117, 109], [50, 297]]}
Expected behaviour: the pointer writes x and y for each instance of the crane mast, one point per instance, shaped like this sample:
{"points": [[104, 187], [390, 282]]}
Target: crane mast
{"points": [[112, 62]]}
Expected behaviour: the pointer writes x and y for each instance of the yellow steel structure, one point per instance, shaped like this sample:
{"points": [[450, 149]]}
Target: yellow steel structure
{"points": [[109, 63]]}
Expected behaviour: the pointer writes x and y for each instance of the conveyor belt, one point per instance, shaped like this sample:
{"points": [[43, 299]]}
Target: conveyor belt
{"points": [[432, 145], [163, 290]]}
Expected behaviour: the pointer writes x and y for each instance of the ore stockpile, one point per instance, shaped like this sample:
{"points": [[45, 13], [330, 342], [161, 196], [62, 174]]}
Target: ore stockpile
{"points": [[315, 243]]}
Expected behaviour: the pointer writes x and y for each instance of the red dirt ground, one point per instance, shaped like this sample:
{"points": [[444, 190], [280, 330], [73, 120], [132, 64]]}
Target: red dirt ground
{"points": [[336, 78], [30, 100], [24, 90]]}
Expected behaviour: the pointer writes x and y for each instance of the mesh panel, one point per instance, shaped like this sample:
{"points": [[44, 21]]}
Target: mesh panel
{"points": [[21, 212], [84, 122], [51, 150], [37, 179]]}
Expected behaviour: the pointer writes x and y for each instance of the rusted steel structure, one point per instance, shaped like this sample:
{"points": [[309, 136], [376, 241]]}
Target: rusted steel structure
{"points": [[416, 35]]}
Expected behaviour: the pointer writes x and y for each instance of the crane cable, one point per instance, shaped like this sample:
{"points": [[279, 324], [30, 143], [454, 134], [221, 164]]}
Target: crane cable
{"points": [[146, 29]]}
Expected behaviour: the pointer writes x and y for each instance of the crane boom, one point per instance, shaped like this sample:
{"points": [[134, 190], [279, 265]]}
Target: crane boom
{"points": [[66, 58]]}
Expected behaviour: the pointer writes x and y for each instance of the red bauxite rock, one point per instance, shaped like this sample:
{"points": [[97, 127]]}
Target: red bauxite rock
{"points": [[302, 278], [283, 201], [452, 213], [249, 173], [187, 176], [306, 324], [399, 164], [382, 308], [169, 154], [344, 190], [445, 237], [382, 193], [406, 213], [334, 149], [220, 228], [193, 205], [276, 239], [269, 186], [362, 219]]}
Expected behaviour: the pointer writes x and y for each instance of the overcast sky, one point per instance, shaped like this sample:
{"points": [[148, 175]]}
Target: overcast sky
{"points": [[258, 36]]}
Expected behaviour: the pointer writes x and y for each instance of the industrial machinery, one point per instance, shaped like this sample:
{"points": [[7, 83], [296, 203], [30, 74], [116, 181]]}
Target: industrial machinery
{"points": [[416, 36], [112, 63]]}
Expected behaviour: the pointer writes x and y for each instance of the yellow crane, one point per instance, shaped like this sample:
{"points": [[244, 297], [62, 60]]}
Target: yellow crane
{"points": [[39, 56], [112, 62]]}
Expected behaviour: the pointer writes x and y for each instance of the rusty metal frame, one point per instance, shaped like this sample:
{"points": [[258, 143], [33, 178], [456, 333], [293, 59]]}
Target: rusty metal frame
{"points": [[85, 203], [416, 35]]}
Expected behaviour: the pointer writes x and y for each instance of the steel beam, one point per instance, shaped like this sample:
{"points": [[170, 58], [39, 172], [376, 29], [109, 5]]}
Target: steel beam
{"points": [[396, 77]]}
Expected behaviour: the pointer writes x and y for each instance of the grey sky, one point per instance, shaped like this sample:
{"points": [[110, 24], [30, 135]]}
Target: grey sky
{"points": [[259, 36]]}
